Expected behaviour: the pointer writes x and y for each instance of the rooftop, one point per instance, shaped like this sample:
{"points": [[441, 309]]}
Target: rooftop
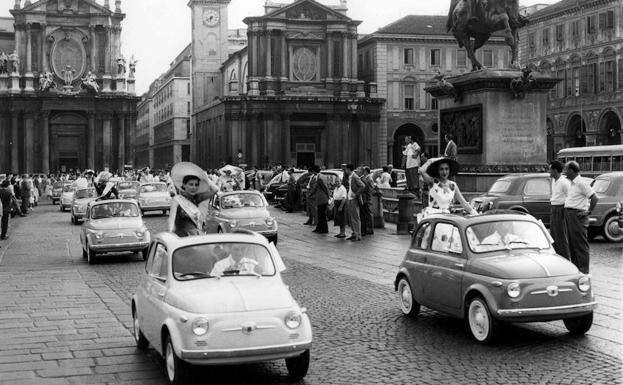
{"points": [[6, 24], [416, 25], [561, 6]]}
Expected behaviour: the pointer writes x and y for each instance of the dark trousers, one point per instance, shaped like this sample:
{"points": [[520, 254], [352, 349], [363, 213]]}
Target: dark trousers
{"points": [[413, 179], [323, 226], [577, 231], [25, 204], [5, 223], [558, 230], [367, 221]]}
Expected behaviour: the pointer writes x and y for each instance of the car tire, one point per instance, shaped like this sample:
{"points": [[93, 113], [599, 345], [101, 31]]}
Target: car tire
{"points": [[611, 230], [139, 337], [298, 366], [85, 254], [274, 239], [408, 305], [219, 230], [145, 253], [175, 368], [91, 255], [62, 208], [578, 326], [479, 321], [592, 233]]}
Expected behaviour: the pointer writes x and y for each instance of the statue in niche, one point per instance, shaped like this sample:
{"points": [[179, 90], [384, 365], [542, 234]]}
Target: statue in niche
{"points": [[46, 81], [132, 66], [89, 81], [4, 63], [68, 75], [14, 59], [121, 65]]}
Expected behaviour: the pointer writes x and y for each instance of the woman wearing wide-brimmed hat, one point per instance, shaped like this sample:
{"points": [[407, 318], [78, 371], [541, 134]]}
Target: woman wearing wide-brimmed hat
{"points": [[105, 187], [443, 192], [194, 187]]}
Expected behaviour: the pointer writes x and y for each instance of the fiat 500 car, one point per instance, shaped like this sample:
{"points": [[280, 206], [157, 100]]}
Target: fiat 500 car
{"points": [[67, 197], [154, 197], [604, 220], [79, 203], [491, 269], [219, 300], [113, 226], [57, 191], [128, 189], [228, 212]]}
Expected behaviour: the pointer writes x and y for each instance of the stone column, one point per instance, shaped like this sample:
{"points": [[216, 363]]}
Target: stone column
{"points": [[345, 60], [267, 39], [107, 78], [131, 126], [121, 123], [251, 53], [45, 142], [107, 141], [286, 139], [91, 142], [353, 59], [44, 56], [29, 144], [28, 48], [284, 57], [4, 143], [15, 142], [93, 53], [329, 56]]}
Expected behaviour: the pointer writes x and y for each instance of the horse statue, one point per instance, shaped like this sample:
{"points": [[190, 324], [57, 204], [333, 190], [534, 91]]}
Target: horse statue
{"points": [[479, 19]]}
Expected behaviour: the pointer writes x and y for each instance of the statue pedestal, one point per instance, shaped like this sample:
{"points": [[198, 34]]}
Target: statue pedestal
{"points": [[4, 78], [29, 77], [106, 81], [132, 86], [120, 85], [497, 117], [14, 83]]}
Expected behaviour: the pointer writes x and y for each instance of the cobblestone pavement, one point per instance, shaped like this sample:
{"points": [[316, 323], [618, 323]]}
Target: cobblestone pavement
{"points": [[63, 321]]}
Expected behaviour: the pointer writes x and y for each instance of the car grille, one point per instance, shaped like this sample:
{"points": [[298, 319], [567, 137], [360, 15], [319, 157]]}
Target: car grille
{"points": [[113, 239], [254, 225]]}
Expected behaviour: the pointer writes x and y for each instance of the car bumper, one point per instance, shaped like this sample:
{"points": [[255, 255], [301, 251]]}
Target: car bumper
{"points": [[546, 313], [155, 207], [248, 355], [78, 215], [118, 247]]}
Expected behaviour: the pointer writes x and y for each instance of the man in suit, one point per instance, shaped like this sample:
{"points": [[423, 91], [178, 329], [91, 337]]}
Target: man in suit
{"points": [[355, 190], [25, 190], [365, 209], [311, 200], [320, 192]]}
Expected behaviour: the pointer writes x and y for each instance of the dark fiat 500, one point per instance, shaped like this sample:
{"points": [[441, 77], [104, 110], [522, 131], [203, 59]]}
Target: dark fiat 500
{"points": [[490, 269], [604, 220]]}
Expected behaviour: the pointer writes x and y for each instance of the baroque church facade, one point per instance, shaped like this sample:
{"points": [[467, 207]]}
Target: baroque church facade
{"points": [[291, 96], [67, 99]]}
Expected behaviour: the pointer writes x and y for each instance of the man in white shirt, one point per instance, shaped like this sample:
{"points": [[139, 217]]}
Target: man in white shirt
{"points": [[558, 225], [412, 163], [235, 262], [577, 211]]}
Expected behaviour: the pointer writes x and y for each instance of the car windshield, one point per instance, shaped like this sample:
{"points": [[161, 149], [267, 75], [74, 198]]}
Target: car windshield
{"points": [[500, 186], [600, 185], [114, 210], [222, 260], [68, 188], [85, 193], [160, 187], [128, 185], [234, 201], [506, 235]]}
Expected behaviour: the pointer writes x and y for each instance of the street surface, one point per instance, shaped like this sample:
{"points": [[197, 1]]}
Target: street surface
{"points": [[63, 321]]}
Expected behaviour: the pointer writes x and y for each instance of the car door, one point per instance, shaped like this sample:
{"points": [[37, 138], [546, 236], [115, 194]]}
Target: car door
{"points": [[154, 292], [416, 261], [536, 196], [446, 265]]}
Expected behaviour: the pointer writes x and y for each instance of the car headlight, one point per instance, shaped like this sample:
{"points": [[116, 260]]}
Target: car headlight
{"points": [[140, 233], [513, 290], [584, 284], [233, 223], [270, 221], [98, 235], [200, 326], [293, 320]]}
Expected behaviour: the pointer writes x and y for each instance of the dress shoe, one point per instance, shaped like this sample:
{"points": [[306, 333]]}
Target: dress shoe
{"points": [[351, 238], [355, 239], [307, 224], [315, 231], [4, 238], [323, 232], [340, 236]]}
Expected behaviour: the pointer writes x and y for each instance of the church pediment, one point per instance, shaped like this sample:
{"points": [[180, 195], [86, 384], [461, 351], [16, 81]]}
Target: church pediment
{"points": [[82, 7], [308, 10]]}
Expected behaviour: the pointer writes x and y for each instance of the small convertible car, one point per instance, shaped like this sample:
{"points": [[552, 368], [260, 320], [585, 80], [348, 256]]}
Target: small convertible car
{"points": [[113, 226], [491, 269], [228, 212], [154, 197], [66, 196], [219, 299], [128, 189], [79, 203]]}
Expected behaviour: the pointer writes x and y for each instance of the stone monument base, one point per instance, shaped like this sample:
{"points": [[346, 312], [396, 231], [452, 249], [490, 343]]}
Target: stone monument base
{"points": [[497, 117]]}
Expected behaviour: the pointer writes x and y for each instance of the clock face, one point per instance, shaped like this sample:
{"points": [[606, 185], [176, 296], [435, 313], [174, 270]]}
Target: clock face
{"points": [[211, 17]]}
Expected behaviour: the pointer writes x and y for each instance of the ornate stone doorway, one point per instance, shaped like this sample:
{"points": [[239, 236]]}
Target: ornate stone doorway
{"points": [[610, 129], [576, 132], [68, 133]]}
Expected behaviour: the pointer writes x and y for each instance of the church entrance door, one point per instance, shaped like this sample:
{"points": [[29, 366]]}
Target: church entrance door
{"points": [[69, 142]]}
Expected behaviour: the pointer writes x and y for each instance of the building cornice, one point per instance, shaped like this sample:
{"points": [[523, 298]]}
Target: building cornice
{"points": [[446, 39], [568, 11]]}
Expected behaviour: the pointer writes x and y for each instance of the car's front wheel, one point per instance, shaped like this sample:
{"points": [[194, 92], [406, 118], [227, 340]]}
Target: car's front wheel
{"points": [[145, 253], [91, 254], [274, 239], [481, 324], [408, 304], [298, 366], [141, 341], [611, 230], [579, 325], [177, 370]]}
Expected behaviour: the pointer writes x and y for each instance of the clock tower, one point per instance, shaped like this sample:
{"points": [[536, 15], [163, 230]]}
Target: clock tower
{"points": [[209, 49]]}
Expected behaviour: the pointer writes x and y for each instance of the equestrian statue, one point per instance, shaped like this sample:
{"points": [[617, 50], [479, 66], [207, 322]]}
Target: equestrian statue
{"points": [[479, 19]]}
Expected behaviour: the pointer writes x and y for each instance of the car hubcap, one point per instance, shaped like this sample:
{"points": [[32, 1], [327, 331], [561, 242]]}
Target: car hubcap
{"points": [[478, 320], [170, 362], [405, 297], [612, 228]]}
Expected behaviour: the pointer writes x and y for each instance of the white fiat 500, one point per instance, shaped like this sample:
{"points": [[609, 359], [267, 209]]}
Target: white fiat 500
{"points": [[219, 299]]}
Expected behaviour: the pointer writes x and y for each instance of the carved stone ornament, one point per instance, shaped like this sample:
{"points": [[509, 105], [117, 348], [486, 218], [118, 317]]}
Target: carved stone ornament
{"points": [[304, 64], [522, 84], [69, 51], [302, 35]]}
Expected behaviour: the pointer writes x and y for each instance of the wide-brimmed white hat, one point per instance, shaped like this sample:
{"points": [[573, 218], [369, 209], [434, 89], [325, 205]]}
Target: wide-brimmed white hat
{"points": [[183, 169], [104, 176], [232, 169]]}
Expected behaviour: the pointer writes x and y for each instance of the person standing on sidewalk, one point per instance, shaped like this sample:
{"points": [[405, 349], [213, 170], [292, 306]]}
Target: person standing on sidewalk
{"points": [[340, 197], [312, 211], [355, 189], [25, 192], [558, 225], [580, 202], [7, 200], [321, 196], [412, 164], [367, 220], [451, 148]]}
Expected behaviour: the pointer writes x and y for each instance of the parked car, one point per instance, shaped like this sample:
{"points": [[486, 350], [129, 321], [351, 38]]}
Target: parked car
{"points": [[228, 212], [277, 186], [620, 211], [197, 306], [604, 220], [401, 181], [491, 269], [79, 203], [262, 178], [57, 191], [154, 197], [113, 226], [128, 189], [527, 193], [67, 196]]}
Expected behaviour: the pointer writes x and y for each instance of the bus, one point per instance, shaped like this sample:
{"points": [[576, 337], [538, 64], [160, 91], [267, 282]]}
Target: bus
{"points": [[594, 160]]}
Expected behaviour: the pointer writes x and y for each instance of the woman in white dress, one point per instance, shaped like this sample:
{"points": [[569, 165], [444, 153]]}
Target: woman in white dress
{"points": [[383, 181], [443, 192]]}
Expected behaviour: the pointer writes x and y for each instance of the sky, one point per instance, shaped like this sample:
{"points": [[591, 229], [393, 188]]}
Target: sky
{"points": [[156, 31]]}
